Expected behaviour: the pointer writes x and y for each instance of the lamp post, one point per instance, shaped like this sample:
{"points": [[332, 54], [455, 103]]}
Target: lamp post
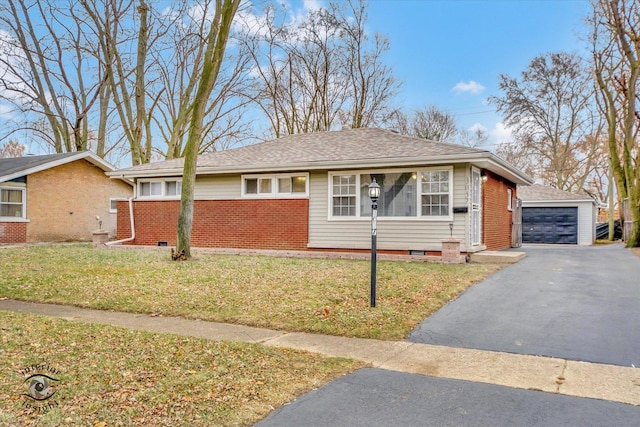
{"points": [[374, 194]]}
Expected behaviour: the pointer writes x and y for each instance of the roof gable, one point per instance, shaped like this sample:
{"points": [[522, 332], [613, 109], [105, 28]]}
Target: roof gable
{"points": [[16, 167]]}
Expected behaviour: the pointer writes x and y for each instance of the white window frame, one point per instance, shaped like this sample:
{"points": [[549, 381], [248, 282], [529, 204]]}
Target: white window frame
{"points": [[274, 193], [163, 189], [23, 217], [418, 195], [356, 195], [449, 215], [509, 200], [114, 199]]}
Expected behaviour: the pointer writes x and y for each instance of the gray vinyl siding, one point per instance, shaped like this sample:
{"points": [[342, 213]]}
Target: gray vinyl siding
{"points": [[393, 234], [217, 187]]}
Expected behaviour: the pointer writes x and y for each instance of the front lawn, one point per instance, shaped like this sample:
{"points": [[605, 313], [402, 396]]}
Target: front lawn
{"points": [[108, 376], [325, 296]]}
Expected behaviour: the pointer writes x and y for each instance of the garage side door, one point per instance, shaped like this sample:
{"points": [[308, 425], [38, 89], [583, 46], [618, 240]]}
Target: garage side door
{"points": [[550, 225]]}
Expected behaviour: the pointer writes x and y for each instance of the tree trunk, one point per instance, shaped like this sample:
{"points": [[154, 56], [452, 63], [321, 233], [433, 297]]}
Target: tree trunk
{"points": [[214, 54]]}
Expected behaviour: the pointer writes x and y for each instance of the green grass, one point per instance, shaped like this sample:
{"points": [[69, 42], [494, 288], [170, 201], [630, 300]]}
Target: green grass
{"points": [[112, 376], [325, 296]]}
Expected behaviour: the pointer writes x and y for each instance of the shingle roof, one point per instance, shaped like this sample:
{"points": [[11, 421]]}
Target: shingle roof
{"points": [[344, 149], [16, 167], [322, 148], [537, 192]]}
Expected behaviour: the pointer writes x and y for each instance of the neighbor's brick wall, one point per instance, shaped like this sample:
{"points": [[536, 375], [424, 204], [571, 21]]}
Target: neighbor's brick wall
{"points": [[496, 218], [63, 202], [247, 224], [13, 232]]}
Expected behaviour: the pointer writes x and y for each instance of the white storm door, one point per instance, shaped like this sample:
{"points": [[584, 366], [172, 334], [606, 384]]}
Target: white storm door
{"points": [[476, 207]]}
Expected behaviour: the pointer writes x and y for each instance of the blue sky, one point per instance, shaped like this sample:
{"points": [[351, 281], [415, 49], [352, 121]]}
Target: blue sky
{"points": [[438, 44], [449, 53]]}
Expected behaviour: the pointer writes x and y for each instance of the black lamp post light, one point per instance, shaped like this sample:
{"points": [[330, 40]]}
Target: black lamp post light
{"points": [[374, 194]]}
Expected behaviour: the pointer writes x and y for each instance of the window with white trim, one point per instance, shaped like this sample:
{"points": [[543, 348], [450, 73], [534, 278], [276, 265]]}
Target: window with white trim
{"points": [[343, 195], [509, 199], [275, 186], [426, 193], [169, 188], [113, 204], [435, 193], [12, 201]]}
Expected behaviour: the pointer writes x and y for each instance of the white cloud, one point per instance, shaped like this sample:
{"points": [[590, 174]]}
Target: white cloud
{"points": [[476, 127], [501, 134], [313, 5], [472, 87]]}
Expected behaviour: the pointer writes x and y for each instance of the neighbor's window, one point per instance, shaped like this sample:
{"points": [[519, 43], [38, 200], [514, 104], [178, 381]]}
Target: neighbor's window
{"points": [[113, 204], [343, 195], [12, 202], [278, 186], [509, 199], [160, 188], [435, 193]]}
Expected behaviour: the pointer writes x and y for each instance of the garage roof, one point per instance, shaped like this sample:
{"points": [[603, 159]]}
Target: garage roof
{"points": [[538, 193]]}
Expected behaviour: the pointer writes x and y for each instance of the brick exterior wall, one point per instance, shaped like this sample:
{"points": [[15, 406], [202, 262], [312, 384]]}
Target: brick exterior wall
{"points": [[63, 201], [496, 218], [13, 232], [246, 224]]}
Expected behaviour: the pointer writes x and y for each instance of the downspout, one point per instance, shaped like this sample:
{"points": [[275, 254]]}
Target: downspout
{"points": [[133, 230]]}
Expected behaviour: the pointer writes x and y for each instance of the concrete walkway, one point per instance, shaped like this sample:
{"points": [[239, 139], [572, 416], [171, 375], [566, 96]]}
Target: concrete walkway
{"points": [[553, 375]]}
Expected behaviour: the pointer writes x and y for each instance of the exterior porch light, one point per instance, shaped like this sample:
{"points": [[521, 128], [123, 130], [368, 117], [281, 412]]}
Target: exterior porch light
{"points": [[374, 194], [483, 175]]}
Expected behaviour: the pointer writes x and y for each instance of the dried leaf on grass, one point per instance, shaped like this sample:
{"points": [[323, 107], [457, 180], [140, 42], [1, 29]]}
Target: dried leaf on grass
{"points": [[127, 378], [325, 296]]}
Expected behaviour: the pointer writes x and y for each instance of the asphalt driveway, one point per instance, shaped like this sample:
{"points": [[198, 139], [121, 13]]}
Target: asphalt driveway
{"points": [[375, 397], [577, 303]]}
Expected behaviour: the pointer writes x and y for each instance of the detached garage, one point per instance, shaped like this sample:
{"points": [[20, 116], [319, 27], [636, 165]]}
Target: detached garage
{"points": [[554, 216]]}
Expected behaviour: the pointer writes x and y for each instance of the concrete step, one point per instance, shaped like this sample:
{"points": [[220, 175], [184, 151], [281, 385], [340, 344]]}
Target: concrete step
{"points": [[497, 257]]}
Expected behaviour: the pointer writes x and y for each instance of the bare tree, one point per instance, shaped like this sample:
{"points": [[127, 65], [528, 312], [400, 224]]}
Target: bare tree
{"points": [[434, 124], [616, 56], [372, 84], [319, 72], [552, 111], [217, 37], [474, 137], [12, 148], [46, 73], [300, 80], [128, 70]]}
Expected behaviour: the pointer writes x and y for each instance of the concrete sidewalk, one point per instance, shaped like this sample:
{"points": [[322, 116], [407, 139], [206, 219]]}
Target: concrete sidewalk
{"points": [[553, 375]]}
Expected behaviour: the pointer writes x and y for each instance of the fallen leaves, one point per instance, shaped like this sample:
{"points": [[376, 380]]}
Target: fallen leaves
{"points": [[325, 296], [122, 377]]}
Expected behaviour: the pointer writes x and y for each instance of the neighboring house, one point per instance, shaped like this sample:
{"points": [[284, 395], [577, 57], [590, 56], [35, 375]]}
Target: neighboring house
{"points": [[554, 216], [57, 197], [310, 192]]}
